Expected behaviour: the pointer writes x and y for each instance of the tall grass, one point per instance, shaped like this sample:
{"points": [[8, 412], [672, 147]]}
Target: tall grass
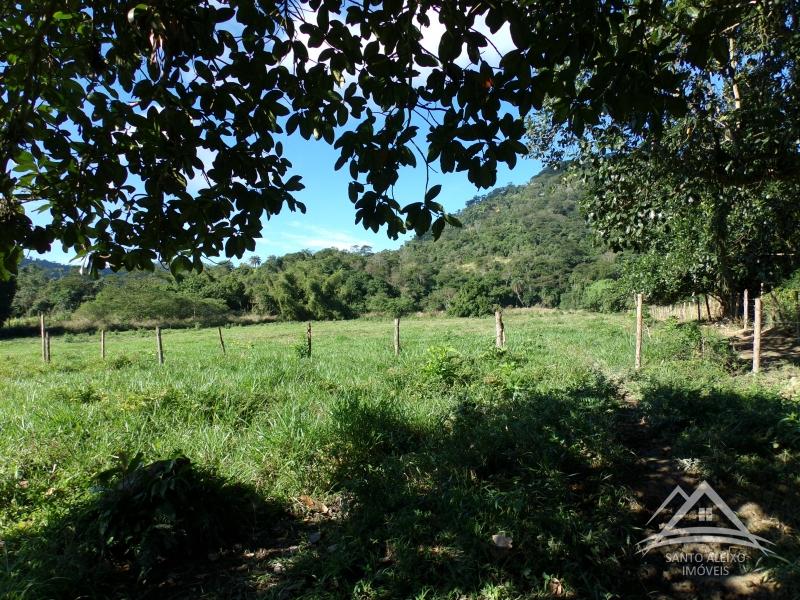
{"points": [[425, 455]]}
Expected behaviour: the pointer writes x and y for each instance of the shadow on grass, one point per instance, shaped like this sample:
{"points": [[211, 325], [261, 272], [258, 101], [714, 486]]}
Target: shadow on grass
{"points": [[747, 446], [554, 474], [151, 530], [512, 493], [779, 346], [425, 506]]}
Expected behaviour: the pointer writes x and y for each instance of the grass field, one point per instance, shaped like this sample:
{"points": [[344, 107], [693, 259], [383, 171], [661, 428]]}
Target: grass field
{"points": [[355, 473]]}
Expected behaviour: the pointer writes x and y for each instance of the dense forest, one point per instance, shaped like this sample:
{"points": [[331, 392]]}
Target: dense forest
{"points": [[518, 246]]}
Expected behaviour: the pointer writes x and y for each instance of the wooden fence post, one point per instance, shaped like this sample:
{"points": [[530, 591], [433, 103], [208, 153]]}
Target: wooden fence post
{"points": [[221, 341], [638, 358], [47, 346], [159, 346], [499, 329], [42, 334], [103, 344], [397, 336], [757, 336], [308, 339], [745, 310]]}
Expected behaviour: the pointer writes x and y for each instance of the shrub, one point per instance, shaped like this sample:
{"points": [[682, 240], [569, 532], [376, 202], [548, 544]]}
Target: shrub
{"points": [[678, 340], [120, 362], [479, 297], [301, 349], [139, 302], [393, 307], [780, 304], [606, 295], [447, 366]]}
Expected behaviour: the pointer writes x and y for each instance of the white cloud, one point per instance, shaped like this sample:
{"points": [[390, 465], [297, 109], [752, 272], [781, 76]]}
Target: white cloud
{"points": [[312, 238]]}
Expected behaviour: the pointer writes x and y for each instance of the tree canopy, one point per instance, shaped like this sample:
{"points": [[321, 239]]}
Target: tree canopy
{"points": [[712, 198], [110, 110]]}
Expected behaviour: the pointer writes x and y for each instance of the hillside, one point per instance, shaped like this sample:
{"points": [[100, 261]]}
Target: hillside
{"points": [[49, 267], [519, 246], [528, 243]]}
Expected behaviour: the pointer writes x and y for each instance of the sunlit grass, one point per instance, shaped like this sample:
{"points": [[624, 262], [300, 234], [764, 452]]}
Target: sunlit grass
{"points": [[435, 450]]}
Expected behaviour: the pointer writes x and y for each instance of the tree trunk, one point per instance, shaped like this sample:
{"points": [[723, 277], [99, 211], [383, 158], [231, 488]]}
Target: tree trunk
{"points": [[728, 304]]}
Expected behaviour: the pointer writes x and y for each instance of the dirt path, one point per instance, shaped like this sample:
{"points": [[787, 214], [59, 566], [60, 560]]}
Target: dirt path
{"points": [[657, 474], [779, 346]]}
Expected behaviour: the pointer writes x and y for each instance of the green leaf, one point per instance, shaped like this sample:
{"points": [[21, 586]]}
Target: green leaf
{"points": [[426, 60], [24, 162], [9, 262], [452, 220], [437, 228], [433, 192], [449, 47], [179, 266]]}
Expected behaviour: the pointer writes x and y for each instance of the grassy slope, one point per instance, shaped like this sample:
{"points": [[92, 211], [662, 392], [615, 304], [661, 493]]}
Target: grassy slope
{"points": [[425, 457]]}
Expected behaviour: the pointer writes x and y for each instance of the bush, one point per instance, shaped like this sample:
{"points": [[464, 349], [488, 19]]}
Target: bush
{"points": [[673, 340], [780, 304], [605, 296], [479, 297], [301, 349], [136, 302], [392, 307], [448, 366]]}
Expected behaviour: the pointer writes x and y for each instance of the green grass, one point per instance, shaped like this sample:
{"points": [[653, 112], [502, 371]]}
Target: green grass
{"points": [[420, 458]]}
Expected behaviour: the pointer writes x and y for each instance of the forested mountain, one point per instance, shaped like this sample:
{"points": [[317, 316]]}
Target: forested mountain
{"points": [[50, 267], [519, 246]]}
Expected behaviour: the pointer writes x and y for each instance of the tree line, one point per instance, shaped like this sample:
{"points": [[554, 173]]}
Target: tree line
{"points": [[518, 246]]}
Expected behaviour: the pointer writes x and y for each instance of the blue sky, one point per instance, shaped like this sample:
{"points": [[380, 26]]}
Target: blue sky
{"points": [[330, 216]]}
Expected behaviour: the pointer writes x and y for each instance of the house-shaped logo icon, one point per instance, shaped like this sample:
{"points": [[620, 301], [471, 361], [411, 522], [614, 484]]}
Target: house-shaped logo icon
{"points": [[674, 534]]}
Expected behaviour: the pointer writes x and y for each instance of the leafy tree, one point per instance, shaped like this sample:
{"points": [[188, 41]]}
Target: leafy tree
{"points": [[30, 298], [41, 291], [67, 293], [478, 297], [393, 306], [529, 241], [607, 295], [148, 300], [221, 283], [711, 197], [108, 114], [289, 296]]}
